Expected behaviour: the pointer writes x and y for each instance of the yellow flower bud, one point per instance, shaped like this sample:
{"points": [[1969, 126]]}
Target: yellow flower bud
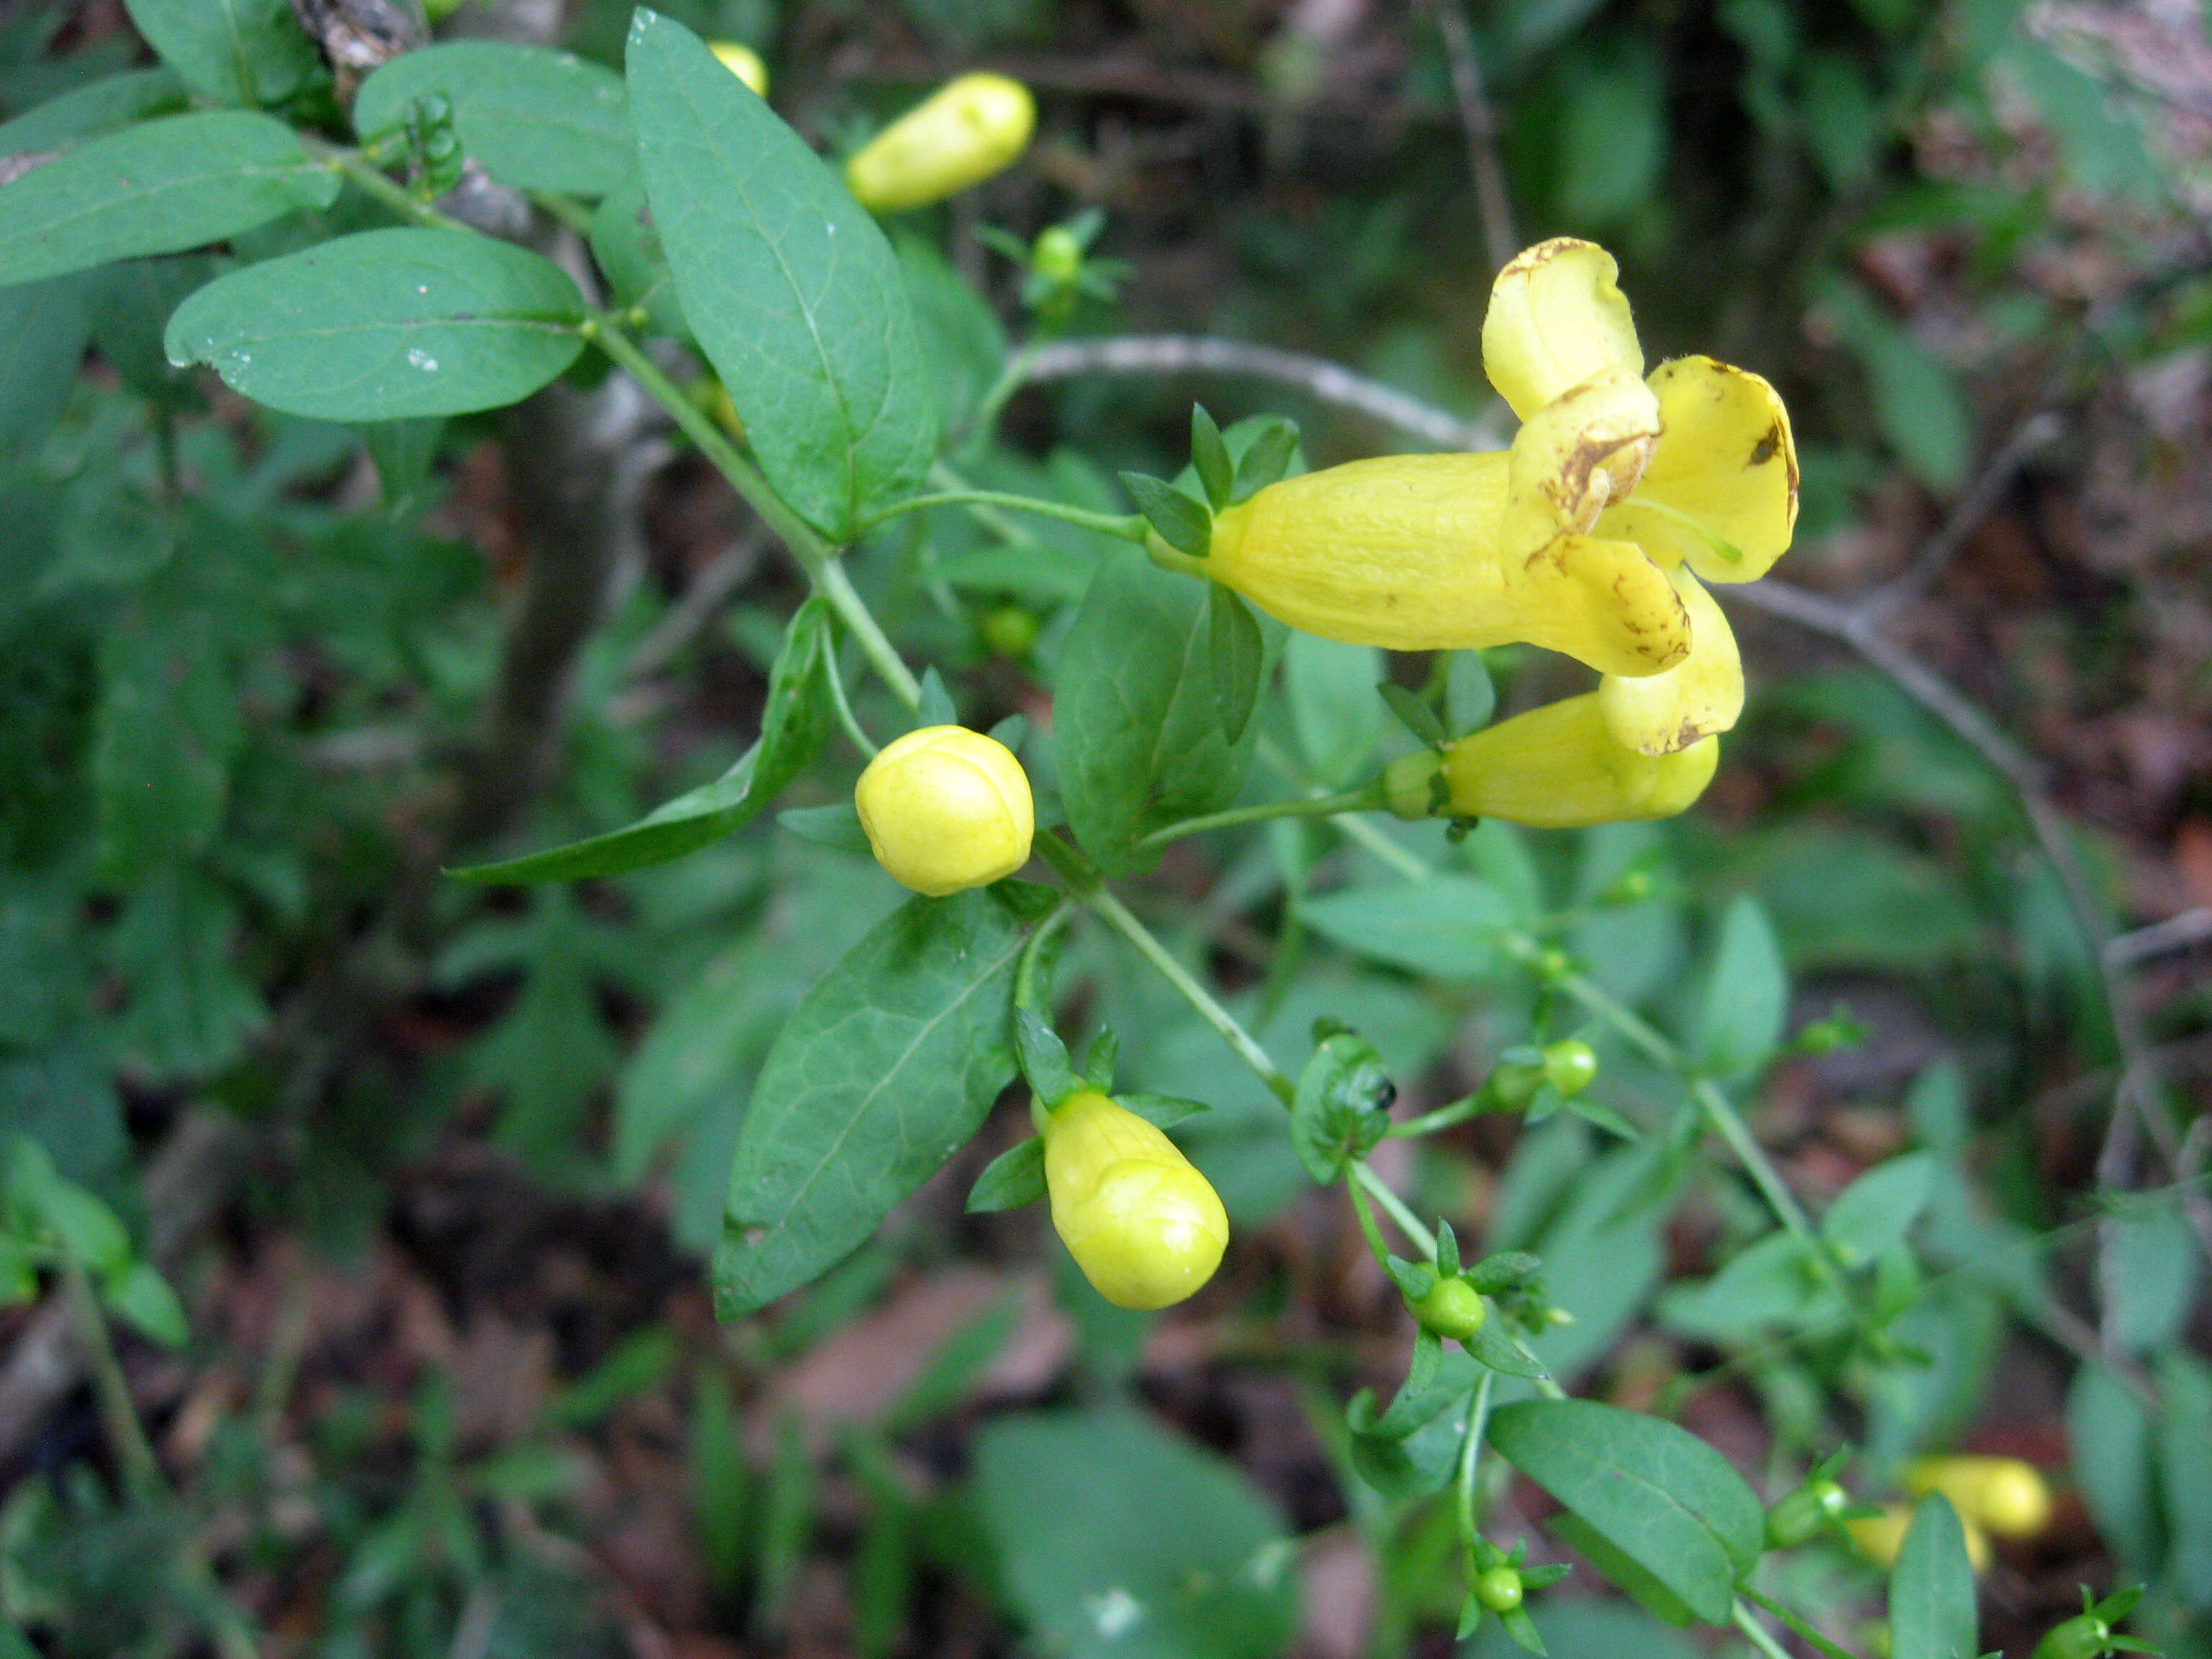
{"points": [[1145, 1227], [2006, 1495], [743, 61], [1555, 768], [967, 129], [1702, 694], [1404, 551], [1880, 1538], [946, 809], [1556, 318], [1720, 493]]}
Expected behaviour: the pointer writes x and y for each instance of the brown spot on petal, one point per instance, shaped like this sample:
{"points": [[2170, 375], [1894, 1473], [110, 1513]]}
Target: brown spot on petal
{"points": [[1769, 447]]}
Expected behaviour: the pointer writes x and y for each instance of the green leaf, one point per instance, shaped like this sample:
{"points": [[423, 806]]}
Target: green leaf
{"points": [[1117, 1540], [1236, 653], [789, 287], [1917, 400], [1413, 1466], [1414, 713], [1470, 699], [701, 1055], [1011, 1179], [386, 324], [1660, 1496], [65, 1212], [1747, 995], [1331, 687], [1161, 1111], [85, 111], [159, 187], [837, 825], [1135, 729], [2184, 1466], [1931, 1588], [1209, 457], [404, 452], [145, 1301], [1182, 524], [190, 1010], [884, 1070], [44, 327], [1446, 927], [535, 118], [795, 725], [1622, 1570], [1343, 1106], [1429, 1388], [1043, 1058], [244, 52], [1872, 1215]]}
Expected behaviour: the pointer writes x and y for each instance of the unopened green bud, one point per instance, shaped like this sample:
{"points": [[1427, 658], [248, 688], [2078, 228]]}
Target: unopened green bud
{"points": [[1570, 1066]]}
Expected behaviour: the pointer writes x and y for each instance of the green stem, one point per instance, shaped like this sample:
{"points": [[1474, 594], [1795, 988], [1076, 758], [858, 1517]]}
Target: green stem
{"points": [[1478, 1419], [141, 1469], [1377, 1244], [1761, 1637], [817, 556], [1075, 870], [845, 718], [402, 201], [1443, 1117], [1130, 527], [574, 214], [1792, 1621], [1406, 1221], [1366, 798], [1356, 827], [1025, 970], [985, 421]]}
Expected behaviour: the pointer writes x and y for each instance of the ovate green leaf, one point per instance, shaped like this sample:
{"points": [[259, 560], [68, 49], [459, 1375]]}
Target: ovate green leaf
{"points": [[884, 1070], [535, 118], [246, 52], [386, 324], [789, 287]]}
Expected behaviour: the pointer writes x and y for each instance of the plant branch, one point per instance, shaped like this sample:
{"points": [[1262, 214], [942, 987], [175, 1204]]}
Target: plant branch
{"points": [[1129, 526], [1367, 799], [1396, 1207], [1499, 239], [1329, 382]]}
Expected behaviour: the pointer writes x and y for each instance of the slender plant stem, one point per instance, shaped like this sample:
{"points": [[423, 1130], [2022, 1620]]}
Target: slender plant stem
{"points": [[1761, 1637], [817, 558], [1366, 798], [372, 181], [1025, 970], [1376, 1244], [1130, 527], [1012, 378], [1443, 1117], [574, 214], [1478, 1419], [1788, 1618], [1406, 1221], [142, 1470], [845, 718]]}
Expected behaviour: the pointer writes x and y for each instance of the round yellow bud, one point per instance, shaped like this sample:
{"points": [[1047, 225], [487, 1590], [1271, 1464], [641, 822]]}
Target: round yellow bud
{"points": [[1144, 1226], [967, 129], [2006, 1495], [743, 61], [946, 809], [1880, 1538]]}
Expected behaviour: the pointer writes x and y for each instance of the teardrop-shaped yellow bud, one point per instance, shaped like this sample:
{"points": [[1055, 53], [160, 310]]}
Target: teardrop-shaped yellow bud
{"points": [[2007, 1495], [1557, 317], [1403, 552], [962, 133], [946, 809], [1553, 768], [1700, 695], [1145, 1227], [1720, 493]]}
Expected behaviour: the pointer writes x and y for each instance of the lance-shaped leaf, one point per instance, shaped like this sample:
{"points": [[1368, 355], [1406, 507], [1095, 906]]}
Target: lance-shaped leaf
{"points": [[159, 187], [97, 106], [533, 118], [789, 287], [884, 1070], [1932, 1589], [793, 726], [386, 326]]}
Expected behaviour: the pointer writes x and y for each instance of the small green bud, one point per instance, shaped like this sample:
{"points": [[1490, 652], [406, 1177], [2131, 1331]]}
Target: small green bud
{"points": [[1452, 1309], [1009, 630], [1554, 965], [1627, 888], [1514, 1084], [1056, 255], [1804, 1514], [1500, 1589], [1570, 1066], [2082, 1637]]}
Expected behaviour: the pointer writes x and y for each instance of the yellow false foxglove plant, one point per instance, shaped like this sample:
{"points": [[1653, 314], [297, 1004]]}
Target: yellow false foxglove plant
{"points": [[967, 129], [945, 809], [1145, 1227]]}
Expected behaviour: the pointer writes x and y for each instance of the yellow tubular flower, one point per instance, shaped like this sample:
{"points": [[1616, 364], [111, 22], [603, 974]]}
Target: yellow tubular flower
{"points": [[946, 809], [1720, 493], [1404, 551], [1880, 1538], [1553, 768], [1145, 1227], [1700, 695], [743, 61], [967, 129], [2006, 1495]]}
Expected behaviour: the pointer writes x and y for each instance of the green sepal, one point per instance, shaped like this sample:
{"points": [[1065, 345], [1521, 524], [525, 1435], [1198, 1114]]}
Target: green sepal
{"points": [[1011, 1179], [1267, 457], [1415, 1278], [1098, 1061], [1414, 713], [1502, 1272], [1161, 1111], [1043, 1059], [1209, 457], [1183, 523], [1500, 1352], [1523, 1630]]}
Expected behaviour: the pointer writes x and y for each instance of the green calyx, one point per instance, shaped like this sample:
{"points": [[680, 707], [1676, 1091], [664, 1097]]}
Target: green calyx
{"points": [[1452, 1309]]}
